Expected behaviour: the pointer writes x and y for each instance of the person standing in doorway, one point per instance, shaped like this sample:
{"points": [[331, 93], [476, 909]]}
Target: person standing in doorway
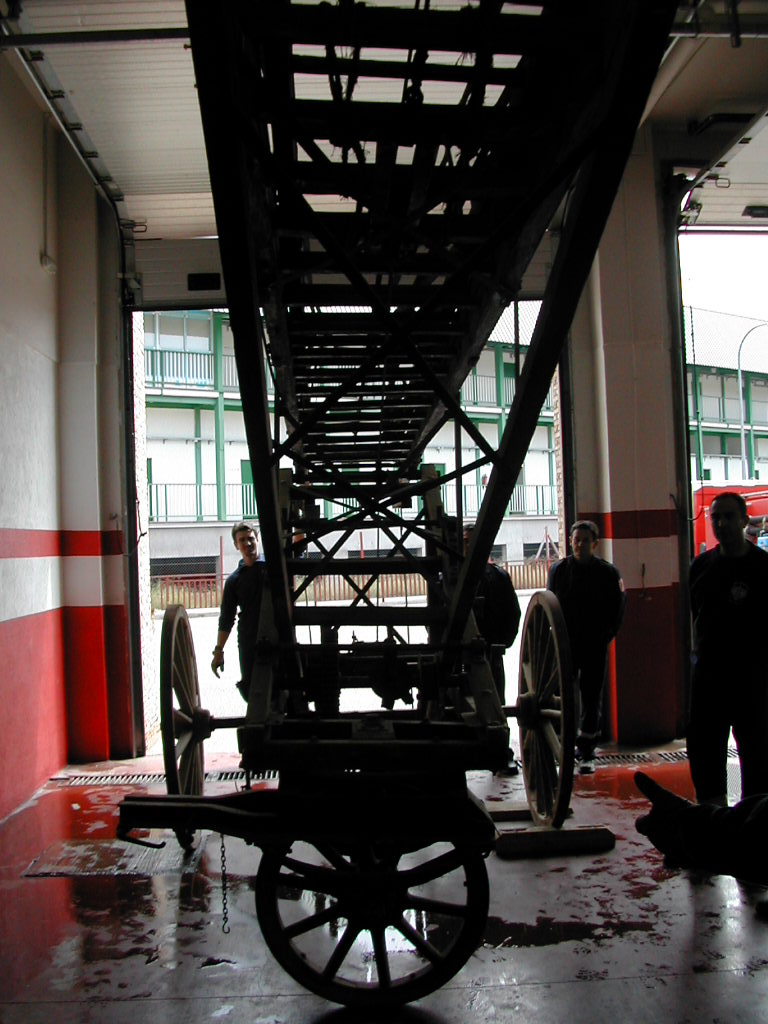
{"points": [[241, 599], [497, 614], [591, 594], [728, 588]]}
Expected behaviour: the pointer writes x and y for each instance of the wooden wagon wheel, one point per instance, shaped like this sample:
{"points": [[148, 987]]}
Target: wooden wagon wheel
{"points": [[180, 712], [376, 926], [545, 713]]}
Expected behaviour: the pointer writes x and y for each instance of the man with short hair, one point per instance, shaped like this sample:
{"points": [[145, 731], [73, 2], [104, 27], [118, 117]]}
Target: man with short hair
{"points": [[728, 588], [242, 591], [591, 594]]}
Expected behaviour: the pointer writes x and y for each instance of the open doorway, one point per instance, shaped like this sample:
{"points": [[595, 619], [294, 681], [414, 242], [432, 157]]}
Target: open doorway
{"points": [[194, 478], [725, 315]]}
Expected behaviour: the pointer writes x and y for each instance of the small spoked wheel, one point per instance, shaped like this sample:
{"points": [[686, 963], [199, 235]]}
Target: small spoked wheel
{"points": [[376, 925], [545, 714], [180, 713]]}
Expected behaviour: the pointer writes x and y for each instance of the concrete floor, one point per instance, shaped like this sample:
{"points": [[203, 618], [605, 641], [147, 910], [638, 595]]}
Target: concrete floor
{"points": [[96, 930]]}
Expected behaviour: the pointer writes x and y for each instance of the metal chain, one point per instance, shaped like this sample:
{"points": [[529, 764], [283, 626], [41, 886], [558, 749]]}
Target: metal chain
{"points": [[224, 903]]}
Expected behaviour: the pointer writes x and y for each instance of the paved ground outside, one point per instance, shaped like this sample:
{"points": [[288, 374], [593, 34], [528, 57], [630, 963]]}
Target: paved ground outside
{"points": [[221, 698]]}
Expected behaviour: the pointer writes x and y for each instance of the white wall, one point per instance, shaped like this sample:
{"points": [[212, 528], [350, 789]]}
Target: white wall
{"points": [[29, 496]]}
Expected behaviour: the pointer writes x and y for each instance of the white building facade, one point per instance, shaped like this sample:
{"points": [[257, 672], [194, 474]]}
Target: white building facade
{"points": [[199, 476]]}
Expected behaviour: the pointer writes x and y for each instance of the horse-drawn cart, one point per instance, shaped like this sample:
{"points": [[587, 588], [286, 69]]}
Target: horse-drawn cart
{"points": [[385, 177]]}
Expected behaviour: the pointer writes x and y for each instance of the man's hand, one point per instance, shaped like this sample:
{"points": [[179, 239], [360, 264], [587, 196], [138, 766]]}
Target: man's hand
{"points": [[218, 660]]}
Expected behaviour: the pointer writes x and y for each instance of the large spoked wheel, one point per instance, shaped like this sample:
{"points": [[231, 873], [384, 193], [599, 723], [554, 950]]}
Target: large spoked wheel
{"points": [[374, 927], [546, 714], [180, 713]]}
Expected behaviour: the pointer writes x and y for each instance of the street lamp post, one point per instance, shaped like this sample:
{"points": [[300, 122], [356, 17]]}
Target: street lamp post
{"points": [[741, 401]]}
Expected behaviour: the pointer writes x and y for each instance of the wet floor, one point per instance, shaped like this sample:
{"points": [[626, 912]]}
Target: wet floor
{"points": [[94, 929]]}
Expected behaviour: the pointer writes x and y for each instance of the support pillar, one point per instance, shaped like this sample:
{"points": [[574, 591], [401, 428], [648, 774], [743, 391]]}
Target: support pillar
{"points": [[97, 670], [628, 476]]}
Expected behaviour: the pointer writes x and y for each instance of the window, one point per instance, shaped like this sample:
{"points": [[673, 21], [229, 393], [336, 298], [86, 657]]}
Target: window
{"points": [[198, 337], [171, 332], [759, 403], [178, 332], [150, 338]]}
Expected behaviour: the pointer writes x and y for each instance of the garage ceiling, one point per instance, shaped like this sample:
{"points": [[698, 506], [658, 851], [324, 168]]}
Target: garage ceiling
{"points": [[118, 74]]}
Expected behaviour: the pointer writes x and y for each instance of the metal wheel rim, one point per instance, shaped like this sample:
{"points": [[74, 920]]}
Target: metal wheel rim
{"points": [[179, 699], [546, 679], [362, 929]]}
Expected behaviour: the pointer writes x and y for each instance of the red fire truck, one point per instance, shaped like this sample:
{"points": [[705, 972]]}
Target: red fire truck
{"points": [[756, 496]]}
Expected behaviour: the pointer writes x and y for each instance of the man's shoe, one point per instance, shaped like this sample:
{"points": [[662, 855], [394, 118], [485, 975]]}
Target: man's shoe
{"points": [[587, 765]]}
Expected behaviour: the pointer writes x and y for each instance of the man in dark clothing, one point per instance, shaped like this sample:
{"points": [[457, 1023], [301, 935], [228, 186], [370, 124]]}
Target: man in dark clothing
{"points": [[729, 685], [591, 595], [243, 590], [497, 615]]}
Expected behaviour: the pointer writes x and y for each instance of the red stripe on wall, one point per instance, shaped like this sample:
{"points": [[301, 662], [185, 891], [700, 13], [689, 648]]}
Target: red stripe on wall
{"points": [[112, 542], [30, 543], [80, 543], [53, 543], [630, 525]]}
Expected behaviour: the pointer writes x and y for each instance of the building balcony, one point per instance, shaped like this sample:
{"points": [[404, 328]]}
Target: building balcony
{"points": [[196, 503], [178, 369], [482, 391], [174, 368], [479, 390]]}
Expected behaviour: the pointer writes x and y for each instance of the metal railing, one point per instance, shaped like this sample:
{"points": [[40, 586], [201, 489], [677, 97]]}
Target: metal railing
{"points": [[182, 369], [480, 390], [717, 409], [534, 500], [191, 591], [178, 503], [201, 592], [230, 381], [509, 395], [177, 368]]}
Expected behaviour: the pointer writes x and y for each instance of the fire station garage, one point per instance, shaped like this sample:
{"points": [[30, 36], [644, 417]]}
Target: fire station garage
{"points": [[362, 189]]}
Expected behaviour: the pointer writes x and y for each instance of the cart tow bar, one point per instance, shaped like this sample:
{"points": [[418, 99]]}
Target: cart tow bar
{"points": [[128, 838]]}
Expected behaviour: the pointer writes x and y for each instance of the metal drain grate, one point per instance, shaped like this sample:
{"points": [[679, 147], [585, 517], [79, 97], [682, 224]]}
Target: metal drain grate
{"points": [[625, 759], [667, 756], [151, 778], [645, 757], [672, 756]]}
